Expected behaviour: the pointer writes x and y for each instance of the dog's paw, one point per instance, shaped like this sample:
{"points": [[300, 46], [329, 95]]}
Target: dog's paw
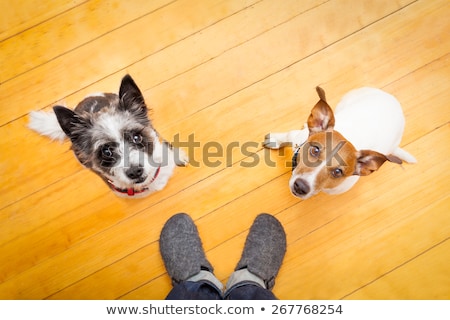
{"points": [[181, 158], [271, 142]]}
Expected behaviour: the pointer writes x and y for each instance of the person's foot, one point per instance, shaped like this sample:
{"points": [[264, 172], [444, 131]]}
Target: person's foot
{"points": [[181, 249], [264, 249]]}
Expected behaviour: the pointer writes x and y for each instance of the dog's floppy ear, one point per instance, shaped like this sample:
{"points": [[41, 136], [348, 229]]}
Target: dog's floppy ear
{"points": [[321, 117], [369, 161], [69, 121]]}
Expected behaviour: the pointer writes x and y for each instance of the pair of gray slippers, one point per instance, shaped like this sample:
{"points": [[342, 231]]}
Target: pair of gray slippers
{"points": [[184, 257]]}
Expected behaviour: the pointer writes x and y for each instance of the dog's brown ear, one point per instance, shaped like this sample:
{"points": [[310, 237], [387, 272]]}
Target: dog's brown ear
{"points": [[369, 161], [321, 117]]}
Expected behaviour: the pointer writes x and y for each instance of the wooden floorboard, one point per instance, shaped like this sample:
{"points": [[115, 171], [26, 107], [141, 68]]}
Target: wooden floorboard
{"points": [[225, 73], [18, 17]]}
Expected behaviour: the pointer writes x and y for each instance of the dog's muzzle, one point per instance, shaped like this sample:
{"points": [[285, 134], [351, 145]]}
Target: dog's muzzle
{"points": [[130, 191]]}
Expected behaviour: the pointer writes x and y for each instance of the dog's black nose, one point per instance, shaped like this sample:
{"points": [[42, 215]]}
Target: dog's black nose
{"points": [[301, 187], [134, 172]]}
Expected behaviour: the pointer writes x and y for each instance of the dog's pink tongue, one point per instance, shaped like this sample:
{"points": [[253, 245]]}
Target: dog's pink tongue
{"points": [[130, 191]]}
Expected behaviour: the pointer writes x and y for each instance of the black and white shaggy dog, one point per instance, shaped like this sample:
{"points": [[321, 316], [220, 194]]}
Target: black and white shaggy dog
{"points": [[112, 135]]}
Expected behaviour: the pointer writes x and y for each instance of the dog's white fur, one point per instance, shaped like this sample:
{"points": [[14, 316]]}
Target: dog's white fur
{"points": [[369, 118]]}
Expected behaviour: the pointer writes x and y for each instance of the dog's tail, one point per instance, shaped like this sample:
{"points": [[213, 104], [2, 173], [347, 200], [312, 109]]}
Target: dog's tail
{"points": [[404, 155], [46, 124]]}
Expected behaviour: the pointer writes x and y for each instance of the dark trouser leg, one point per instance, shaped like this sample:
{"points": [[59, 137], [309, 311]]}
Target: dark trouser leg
{"points": [[199, 290]]}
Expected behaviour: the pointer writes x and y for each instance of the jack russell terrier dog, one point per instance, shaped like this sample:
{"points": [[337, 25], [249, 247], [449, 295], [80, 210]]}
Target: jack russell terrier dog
{"points": [[112, 135], [334, 150]]}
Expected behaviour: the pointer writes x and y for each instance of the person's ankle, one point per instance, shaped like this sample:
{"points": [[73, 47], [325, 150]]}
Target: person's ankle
{"points": [[244, 276]]}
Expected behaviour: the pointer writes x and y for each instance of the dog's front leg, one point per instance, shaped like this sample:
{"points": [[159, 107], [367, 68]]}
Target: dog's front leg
{"points": [[294, 138]]}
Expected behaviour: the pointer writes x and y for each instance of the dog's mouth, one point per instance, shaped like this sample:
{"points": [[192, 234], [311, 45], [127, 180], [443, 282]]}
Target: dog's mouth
{"points": [[301, 196], [129, 191], [132, 191], [140, 180]]}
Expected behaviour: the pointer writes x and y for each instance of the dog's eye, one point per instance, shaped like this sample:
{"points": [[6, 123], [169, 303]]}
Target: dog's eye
{"points": [[314, 151], [107, 154], [107, 151], [337, 173], [136, 138]]}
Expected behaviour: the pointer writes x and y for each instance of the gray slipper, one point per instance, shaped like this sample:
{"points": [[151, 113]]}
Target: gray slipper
{"points": [[181, 248], [264, 249]]}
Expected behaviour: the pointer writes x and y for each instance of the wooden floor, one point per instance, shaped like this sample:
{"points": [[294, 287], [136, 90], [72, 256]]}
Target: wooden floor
{"points": [[225, 73]]}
